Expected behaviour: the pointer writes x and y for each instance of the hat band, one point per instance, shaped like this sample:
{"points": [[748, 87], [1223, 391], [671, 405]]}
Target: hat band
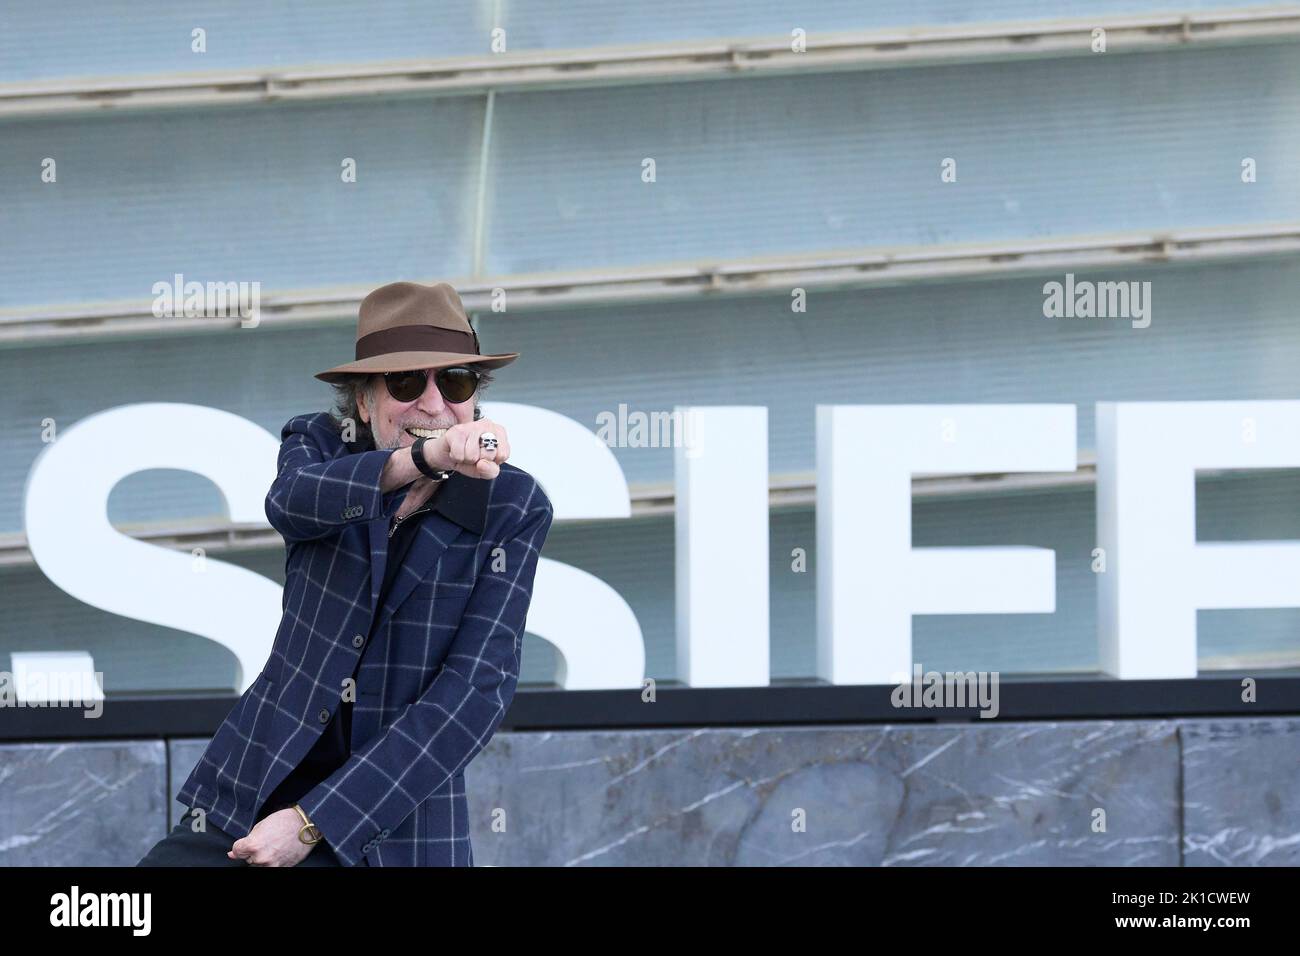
{"points": [[416, 338]]}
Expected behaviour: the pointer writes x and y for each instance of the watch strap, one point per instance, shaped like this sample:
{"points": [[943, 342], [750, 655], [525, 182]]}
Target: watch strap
{"points": [[417, 456]]}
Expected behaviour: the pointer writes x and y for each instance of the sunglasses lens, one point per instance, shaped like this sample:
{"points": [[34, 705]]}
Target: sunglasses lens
{"points": [[457, 384], [405, 386]]}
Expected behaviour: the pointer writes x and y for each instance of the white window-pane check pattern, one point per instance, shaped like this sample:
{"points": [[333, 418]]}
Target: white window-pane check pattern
{"points": [[432, 687]]}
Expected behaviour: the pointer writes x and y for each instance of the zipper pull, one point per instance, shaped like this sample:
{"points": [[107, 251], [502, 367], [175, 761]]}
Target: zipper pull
{"points": [[398, 520]]}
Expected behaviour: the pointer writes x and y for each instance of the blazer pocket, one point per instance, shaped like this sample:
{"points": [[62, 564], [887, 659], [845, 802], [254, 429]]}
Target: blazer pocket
{"points": [[443, 611]]}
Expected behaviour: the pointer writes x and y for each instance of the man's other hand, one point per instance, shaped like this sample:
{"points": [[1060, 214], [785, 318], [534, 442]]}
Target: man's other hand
{"points": [[273, 841]]}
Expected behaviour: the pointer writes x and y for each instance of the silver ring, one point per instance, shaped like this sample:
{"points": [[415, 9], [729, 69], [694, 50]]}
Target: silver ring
{"points": [[488, 441]]}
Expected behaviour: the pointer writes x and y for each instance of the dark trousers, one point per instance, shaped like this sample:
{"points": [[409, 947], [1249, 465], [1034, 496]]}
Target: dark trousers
{"points": [[184, 847]]}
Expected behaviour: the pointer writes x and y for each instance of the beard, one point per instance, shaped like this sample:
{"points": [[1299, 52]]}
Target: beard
{"points": [[395, 440]]}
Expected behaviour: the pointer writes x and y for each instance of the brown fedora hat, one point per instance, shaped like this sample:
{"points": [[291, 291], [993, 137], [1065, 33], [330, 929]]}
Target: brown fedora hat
{"points": [[405, 325]]}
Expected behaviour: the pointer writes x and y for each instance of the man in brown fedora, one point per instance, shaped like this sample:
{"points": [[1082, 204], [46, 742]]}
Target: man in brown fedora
{"points": [[412, 547]]}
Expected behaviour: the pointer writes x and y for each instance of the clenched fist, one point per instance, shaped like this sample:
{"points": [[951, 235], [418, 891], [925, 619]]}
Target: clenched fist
{"points": [[458, 449]]}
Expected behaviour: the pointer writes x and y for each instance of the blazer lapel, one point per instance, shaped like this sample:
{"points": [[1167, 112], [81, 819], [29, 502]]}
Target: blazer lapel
{"points": [[378, 557], [432, 537], [460, 504], [378, 528]]}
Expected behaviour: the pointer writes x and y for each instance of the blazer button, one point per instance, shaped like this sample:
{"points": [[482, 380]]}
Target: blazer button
{"points": [[358, 641], [324, 715]]}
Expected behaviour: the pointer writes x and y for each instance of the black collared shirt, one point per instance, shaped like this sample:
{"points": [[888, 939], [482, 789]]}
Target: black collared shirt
{"points": [[463, 500]]}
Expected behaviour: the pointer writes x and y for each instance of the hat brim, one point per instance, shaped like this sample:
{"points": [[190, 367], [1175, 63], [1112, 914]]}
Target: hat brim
{"points": [[401, 361]]}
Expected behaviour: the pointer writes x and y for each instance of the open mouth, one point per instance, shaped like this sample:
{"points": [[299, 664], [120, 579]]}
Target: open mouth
{"points": [[426, 432]]}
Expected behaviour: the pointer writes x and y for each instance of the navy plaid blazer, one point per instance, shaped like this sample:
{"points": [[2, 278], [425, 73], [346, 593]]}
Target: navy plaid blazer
{"points": [[436, 678]]}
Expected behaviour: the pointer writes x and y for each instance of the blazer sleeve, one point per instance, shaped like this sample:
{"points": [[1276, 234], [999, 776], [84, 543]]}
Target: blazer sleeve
{"points": [[439, 733], [314, 496]]}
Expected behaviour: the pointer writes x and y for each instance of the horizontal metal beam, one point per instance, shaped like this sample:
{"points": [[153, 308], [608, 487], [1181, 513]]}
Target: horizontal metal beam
{"points": [[798, 490], [1054, 697], [794, 490], [832, 270], [720, 58]]}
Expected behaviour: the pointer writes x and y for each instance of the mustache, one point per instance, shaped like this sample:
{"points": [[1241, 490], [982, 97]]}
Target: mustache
{"points": [[399, 432]]}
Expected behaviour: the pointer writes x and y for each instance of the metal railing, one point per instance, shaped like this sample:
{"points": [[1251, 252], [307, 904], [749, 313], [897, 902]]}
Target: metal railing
{"points": [[720, 58]]}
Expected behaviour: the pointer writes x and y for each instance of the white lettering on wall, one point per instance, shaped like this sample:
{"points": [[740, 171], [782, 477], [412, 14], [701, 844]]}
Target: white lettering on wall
{"points": [[1157, 575], [870, 580]]}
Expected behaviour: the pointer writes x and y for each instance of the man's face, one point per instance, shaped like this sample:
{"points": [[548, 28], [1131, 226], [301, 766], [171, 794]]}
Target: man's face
{"points": [[390, 419]]}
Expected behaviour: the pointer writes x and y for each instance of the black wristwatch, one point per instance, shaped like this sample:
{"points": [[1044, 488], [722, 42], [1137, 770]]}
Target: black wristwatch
{"points": [[417, 456]]}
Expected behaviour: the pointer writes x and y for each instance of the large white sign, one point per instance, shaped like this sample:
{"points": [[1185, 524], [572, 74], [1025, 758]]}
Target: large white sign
{"points": [[870, 580], [1157, 575]]}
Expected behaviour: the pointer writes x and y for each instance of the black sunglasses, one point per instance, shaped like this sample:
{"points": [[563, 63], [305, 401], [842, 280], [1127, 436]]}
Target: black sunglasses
{"points": [[457, 383]]}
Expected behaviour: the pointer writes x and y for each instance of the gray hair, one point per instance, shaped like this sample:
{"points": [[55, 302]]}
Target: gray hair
{"points": [[347, 408]]}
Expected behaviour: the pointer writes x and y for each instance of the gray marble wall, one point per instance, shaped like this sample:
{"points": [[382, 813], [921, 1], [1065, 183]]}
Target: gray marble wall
{"points": [[1222, 792]]}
